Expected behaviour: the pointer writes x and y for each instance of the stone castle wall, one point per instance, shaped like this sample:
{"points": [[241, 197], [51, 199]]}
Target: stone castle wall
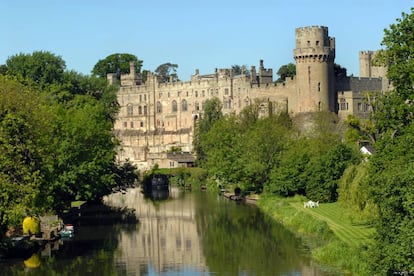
{"points": [[155, 117]]}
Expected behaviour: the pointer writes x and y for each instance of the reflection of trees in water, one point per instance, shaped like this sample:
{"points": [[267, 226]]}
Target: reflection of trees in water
{"points": [[90, 252], [240, 239]]}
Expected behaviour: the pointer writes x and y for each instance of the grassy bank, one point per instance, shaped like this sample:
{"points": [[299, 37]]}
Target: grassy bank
{"points": [[334, 241]]}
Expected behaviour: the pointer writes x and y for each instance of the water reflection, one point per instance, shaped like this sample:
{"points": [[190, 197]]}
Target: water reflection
{"points": [[168, 238], [184, 234], [201, 234]]}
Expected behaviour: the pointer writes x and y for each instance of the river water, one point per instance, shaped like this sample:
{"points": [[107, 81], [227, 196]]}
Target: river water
{"points": [[193, 233]]}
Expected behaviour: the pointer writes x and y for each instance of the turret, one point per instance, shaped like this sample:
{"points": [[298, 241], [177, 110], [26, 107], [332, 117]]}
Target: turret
{"points": [[315, 55]]}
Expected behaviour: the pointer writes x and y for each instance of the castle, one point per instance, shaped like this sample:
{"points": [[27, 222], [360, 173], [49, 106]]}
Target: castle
{"points": [[156, 117]]}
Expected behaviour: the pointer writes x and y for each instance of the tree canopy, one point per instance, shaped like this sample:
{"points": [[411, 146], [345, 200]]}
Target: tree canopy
{"points": [[56, 139], [116, 64], [286, 71], [391, 172], [166, 72]]}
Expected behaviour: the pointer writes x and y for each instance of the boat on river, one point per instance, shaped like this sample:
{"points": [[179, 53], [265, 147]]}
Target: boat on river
{"points": [[68, 231]]}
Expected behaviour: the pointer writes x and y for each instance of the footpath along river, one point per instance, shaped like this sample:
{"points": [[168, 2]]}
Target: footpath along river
{"points": [[194, 233]]}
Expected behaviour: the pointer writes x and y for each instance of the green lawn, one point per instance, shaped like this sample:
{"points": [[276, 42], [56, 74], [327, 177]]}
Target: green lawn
{"points": [[332, 213]]}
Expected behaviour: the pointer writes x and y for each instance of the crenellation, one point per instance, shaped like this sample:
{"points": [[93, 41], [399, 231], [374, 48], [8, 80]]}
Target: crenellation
{"points": [[156, 116]]}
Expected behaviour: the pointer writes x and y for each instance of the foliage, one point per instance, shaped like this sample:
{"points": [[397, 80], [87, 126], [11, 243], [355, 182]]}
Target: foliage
{"points": [[392, 183], [116, 64], [43, 68], [240, 70], [212, 113], [23, 118], [286, 71], [391, 168], [325, 171], [56, 140], [353, 194], [167, 71]]}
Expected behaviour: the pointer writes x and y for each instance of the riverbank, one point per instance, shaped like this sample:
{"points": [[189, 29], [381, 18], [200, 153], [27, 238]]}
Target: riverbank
{"points": [[333, 241]]}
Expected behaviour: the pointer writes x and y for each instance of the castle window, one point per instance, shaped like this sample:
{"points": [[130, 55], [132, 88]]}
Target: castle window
{"points": [[131, 124], [319, 87], [140, 110], [140, 98], [130, 110], [343, 104], [179, 93], [359, 106], [125, 124], [320, 106], [174, 106], [145, 97], [160, 95], [187, 93], [196, 93], [226, 91], [308, 43], [145, 110], [141, 124], [169, 94], [217, 91], [197, 106], [184, 105], [317, 42], [159, 107]]}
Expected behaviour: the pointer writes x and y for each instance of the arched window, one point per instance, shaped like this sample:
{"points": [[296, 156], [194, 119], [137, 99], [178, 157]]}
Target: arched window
{"points": [[184, 105], [159, 107], [174, 106]]}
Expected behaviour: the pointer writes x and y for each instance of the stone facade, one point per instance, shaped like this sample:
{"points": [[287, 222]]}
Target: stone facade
{"points": [[156, 117]]}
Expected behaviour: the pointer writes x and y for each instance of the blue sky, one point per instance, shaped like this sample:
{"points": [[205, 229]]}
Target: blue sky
{"points": [[194, 34]]}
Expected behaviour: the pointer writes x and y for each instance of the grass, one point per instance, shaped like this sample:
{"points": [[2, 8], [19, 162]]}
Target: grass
{"points": [[343, 228], [333, 239]]}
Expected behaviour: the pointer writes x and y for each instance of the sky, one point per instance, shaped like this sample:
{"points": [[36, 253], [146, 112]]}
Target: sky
{"points": [[193, 34]]}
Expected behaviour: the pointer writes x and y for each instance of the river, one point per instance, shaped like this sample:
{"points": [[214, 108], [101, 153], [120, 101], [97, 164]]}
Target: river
{"points": [[194, 233]]}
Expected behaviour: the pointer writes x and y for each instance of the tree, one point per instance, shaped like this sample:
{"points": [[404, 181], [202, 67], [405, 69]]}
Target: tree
{"points": [[240, 70], [116, 64], [25, 121], [167, 71], [41, 67], [212, 113], [286, 71], [390, 174]]}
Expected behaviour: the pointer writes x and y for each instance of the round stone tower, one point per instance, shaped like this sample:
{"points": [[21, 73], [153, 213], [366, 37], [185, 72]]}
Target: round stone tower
{"points": [[315, 55]]}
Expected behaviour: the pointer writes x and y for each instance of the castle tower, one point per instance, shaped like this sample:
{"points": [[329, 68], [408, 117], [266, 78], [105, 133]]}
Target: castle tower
{"points": [[315, 55]]}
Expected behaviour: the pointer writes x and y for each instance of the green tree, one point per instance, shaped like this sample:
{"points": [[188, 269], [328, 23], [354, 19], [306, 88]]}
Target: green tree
{"points": [[240, 70], [41, 67], [167, 71], [391, 171], [25, 121], [262, 145], [211, 114], [116, 64], [286, 71]]}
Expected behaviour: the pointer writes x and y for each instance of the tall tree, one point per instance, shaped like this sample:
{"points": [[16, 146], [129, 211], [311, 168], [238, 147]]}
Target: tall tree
{"points": [[166, 72], [391, 171], [116, 64], [286, 71], [41, 67], [240, 70], [211, 114]]}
